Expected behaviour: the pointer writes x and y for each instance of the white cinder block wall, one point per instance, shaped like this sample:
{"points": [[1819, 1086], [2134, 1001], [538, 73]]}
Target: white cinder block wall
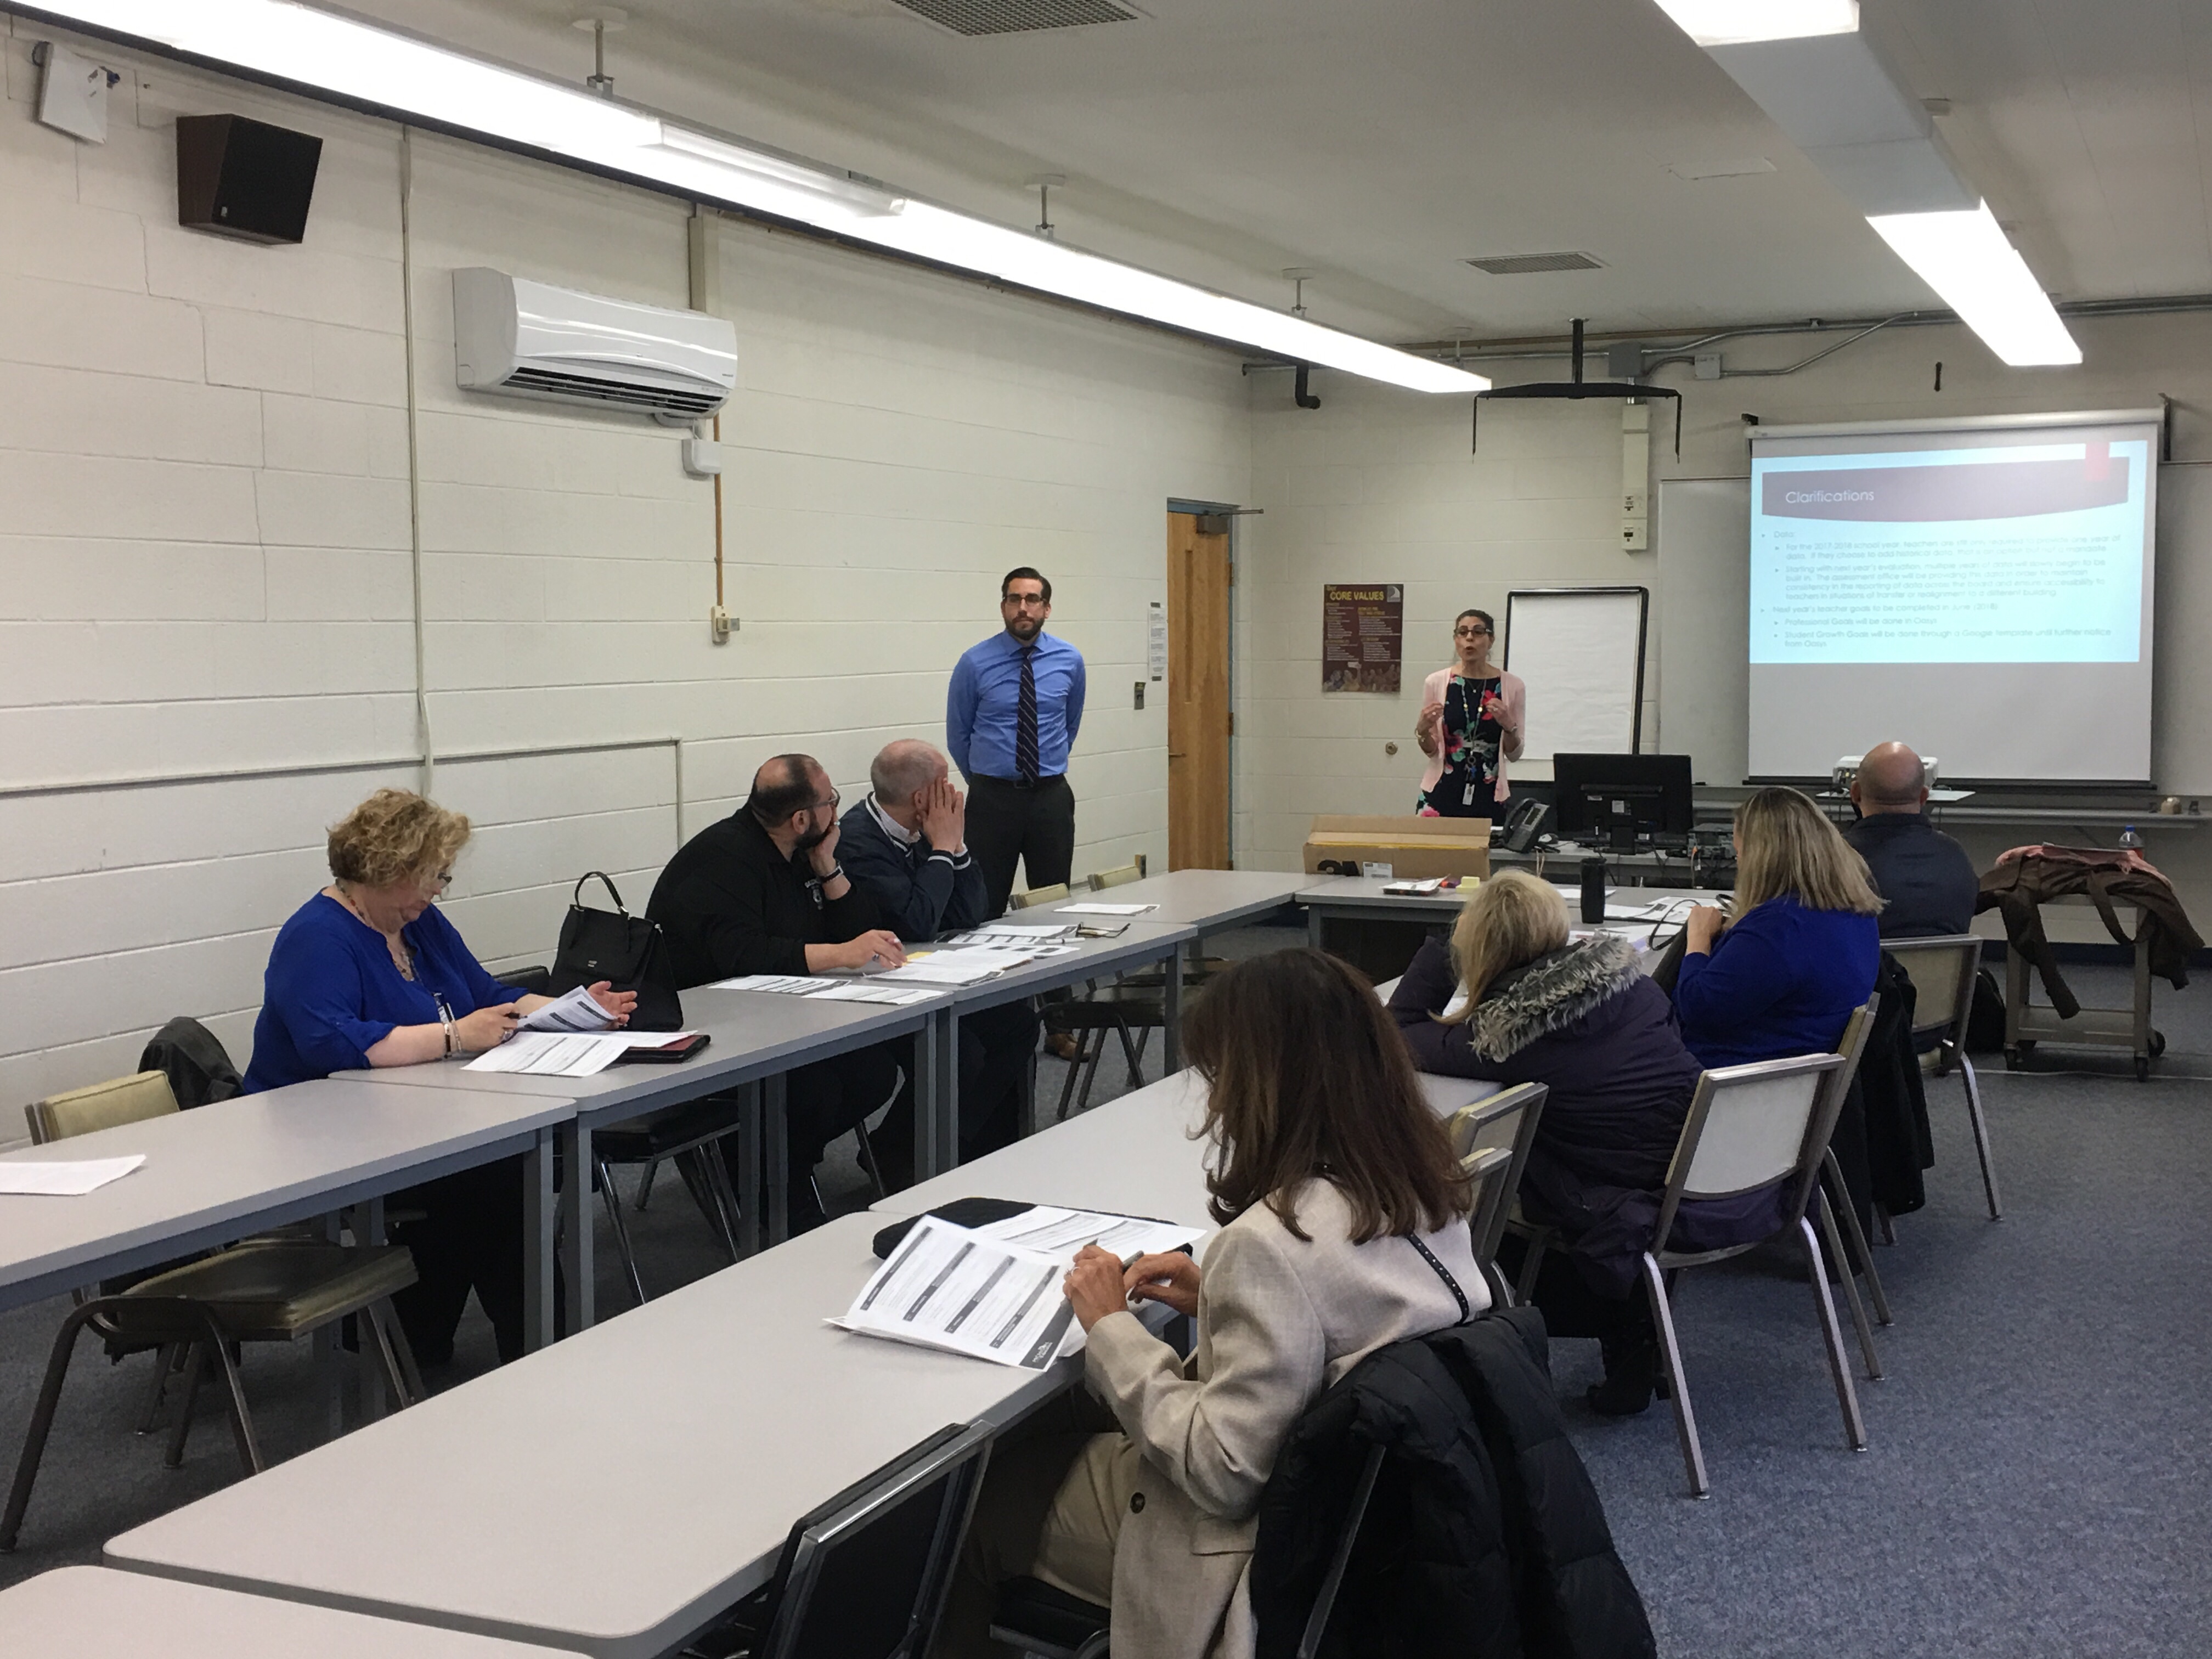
{"points": [[1379, 485], [206, 521]]}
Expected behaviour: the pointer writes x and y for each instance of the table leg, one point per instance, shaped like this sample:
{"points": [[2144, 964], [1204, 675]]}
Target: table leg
{"points": [[775, 1127], [576, 1224], [1314, 926], [1171, 1037], [329, 1357], [928, 1089], [538, 1251], [750, 1235], [375, 1400]]}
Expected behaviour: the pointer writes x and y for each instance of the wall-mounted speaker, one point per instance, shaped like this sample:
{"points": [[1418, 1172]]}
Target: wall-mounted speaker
{"points": [[244, 178]]}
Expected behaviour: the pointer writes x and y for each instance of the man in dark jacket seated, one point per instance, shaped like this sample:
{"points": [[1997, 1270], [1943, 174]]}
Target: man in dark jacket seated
{"points": [[906, 846], [761, 892], [1927, 877]]}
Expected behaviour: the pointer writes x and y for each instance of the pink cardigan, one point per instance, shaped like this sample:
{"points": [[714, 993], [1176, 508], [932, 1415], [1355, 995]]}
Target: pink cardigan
{"points": [[1515, 695]]}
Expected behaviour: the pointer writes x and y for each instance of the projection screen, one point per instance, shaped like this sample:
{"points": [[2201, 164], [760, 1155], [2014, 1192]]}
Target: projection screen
{"points": [[1979, 589]]}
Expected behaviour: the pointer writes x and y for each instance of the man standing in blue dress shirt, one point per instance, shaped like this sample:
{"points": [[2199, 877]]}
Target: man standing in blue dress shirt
{"points": [[1011, 715]]}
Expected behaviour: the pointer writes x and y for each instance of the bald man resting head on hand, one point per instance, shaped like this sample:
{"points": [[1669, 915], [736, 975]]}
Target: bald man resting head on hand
{"points": [[1927, 877]]}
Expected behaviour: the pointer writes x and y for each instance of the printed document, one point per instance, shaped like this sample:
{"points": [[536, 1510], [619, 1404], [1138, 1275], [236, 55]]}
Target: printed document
{"points": [[575, 1012], [1101, 909], [825, 990], [1057, 1232], [965, 966], [993, 1292], [551, 1054], [961, 1290], [58, 1179]]}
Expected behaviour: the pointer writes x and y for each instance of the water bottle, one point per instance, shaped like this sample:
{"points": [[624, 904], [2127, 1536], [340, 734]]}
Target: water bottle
{"points": [[1592, 890], [2130, 840]]}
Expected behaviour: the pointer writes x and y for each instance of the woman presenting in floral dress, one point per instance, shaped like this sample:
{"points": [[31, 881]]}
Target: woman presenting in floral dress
{"points": [[1470, 725]]}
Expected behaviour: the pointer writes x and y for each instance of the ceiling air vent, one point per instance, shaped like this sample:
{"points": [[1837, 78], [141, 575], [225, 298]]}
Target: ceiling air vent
{"points": [[1019, 16], [1528, 265]]}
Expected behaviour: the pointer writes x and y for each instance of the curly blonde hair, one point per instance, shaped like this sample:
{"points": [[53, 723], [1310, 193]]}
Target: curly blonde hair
{"points": [[393, 835]]}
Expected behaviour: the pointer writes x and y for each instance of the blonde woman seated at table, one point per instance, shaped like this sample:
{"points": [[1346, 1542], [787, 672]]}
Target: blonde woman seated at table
{"points": [[1342, 1210], [1781, 975], [370, 973], [1512, 999]]}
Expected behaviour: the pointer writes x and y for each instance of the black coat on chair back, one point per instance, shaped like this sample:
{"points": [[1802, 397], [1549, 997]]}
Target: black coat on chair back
{"points": [[1484, 1537]]}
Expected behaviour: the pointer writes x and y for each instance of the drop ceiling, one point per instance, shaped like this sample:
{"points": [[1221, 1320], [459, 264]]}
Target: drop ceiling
{"points": [[1382, 146]]}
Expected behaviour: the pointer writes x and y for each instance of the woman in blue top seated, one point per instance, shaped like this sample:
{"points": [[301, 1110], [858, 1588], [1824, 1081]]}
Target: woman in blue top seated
{"points": [[369, 973], [1782, 977]]}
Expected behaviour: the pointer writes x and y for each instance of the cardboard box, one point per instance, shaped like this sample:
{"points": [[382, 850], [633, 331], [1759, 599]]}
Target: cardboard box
{"points": [[1414, 849]]}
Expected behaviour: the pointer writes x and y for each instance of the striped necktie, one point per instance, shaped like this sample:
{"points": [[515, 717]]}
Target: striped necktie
{"points": [[1025, 720]]}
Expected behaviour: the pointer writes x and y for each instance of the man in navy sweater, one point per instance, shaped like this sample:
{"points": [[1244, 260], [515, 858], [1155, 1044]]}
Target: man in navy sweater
{"points": [[905, 848], [1927, 877]]}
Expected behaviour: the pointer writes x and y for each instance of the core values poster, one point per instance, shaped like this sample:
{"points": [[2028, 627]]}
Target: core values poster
{"points": [[1362, 630]]}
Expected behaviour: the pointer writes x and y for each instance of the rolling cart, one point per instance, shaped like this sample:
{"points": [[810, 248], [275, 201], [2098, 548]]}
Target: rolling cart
{"points": [[2126, 1028]]}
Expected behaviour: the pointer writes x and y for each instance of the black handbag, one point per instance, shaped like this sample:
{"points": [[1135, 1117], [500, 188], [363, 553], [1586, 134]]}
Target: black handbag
{"points": [[627, 951]]}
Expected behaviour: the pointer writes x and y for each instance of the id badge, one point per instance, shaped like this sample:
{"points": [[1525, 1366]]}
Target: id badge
{"points": [[1467, 795]]}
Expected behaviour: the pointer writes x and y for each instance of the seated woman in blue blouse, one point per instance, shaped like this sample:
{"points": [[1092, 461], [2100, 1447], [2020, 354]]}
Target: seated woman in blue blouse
{"points": [[367, 973], [1782, 977]]}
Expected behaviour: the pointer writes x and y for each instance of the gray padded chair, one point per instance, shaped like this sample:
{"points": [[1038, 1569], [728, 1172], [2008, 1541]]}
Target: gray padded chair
{"points": [[1942, 972], [1751, 1127]]}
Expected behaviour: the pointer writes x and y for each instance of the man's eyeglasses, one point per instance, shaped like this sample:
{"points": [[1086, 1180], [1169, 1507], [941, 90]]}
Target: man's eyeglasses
{"points": [[1024, 600], [829, 806]]}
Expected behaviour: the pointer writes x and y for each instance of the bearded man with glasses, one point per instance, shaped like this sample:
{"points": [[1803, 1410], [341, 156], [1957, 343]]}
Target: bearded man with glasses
{"points": [[761, 892]]}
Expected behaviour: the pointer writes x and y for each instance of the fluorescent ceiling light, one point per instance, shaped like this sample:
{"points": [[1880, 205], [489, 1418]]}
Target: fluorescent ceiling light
{"points": [[366, 64], [1964, 257], [1738, 22]]}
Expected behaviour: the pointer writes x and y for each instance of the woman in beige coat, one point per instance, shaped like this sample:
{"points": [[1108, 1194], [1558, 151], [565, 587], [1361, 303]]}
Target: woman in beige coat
{"points": [[1343, 1230]]}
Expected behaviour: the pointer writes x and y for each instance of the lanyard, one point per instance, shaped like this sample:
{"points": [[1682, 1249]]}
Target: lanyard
{"points": [[1470, 706]]}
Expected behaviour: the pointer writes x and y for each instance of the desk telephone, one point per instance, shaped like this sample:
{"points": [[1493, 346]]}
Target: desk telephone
{"points": [[1524, 823]]}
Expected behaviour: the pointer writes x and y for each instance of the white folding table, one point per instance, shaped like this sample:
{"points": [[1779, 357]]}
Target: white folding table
{"points": [[754, 1039], [96, 1613], [223, 1171], [1135, 1155], [614, 1492]]}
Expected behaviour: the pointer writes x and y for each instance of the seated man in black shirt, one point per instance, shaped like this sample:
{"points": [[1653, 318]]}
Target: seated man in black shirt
{"points": [[1927, 877], [760, 892], [906, 846]]}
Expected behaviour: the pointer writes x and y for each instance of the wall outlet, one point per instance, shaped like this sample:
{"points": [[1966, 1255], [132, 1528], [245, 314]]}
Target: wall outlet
{"points": [[719, 625], [1140, 693]]}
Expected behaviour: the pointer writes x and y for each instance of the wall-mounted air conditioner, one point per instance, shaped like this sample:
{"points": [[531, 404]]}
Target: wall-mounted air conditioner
{"points": [[532, 340]]}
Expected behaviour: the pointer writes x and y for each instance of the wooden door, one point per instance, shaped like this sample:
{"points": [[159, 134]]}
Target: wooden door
{"points": [[1198, 718]]}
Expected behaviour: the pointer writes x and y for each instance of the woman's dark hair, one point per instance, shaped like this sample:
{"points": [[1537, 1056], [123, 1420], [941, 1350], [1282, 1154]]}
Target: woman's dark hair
{"points": [[1488, 621], [1310, 1080]]}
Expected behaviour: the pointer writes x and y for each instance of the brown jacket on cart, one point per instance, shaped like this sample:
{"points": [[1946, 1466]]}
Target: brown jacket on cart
{"points": [[2028, 877]]}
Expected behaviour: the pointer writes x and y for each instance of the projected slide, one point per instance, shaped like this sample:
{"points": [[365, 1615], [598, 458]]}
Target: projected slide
{"points": [[1981, 589], [2015, 554]]}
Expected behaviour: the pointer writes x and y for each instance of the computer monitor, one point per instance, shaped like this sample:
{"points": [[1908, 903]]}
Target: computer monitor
{"points": [[1613, 799]]}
